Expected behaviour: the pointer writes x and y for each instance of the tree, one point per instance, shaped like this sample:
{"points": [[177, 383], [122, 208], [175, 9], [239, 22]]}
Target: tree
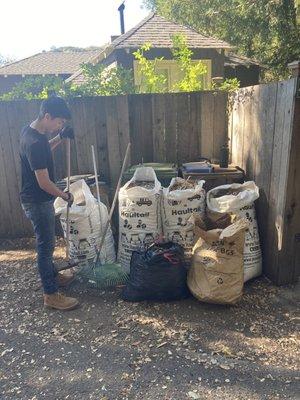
{"points": [[192, 72], [151, 81], [98, 82], [266, 30], [36, 88], [102, 81]]}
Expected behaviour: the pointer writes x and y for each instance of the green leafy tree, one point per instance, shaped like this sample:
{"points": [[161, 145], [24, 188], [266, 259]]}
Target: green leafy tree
{"points": [[228, 85], [151, 81], [192, 72], [98, 82], [101, 81], [265, 30], [37, 88]]}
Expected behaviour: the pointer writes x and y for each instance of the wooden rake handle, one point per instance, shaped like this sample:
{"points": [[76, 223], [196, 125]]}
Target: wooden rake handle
{"points": [[114, 200], [68, 155]]}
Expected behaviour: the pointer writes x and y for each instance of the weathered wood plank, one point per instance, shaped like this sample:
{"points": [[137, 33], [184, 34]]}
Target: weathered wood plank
{"points": [[195, 127], [6, 218], [220, 123], [113, 140], [158, 112], [285, 266], [99, 115], [171, 128], [146, 120], [263, 112], [290, 257], [249, 144], [237, 130], [207, 125], [82, 150], [11, 187], [135, 129], [183, 127], [123, 124]]}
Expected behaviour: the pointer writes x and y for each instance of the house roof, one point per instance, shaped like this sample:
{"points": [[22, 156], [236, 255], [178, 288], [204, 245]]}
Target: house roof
{"points": [[158, 31], [234, 60], [50, 63]]}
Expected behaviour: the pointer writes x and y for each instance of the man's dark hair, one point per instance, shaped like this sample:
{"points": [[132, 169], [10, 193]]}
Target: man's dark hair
{"points": [[56, 107]]}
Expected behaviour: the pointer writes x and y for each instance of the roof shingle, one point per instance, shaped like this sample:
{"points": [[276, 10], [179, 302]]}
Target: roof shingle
{"points": [[158, 31], [50, 62]]}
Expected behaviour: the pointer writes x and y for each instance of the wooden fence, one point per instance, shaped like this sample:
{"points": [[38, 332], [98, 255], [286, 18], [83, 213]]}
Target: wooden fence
{"points": [[161, 128], [264, 128]]}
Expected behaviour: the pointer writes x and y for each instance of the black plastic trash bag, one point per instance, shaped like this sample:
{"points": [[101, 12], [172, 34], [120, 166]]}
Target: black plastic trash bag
{"points": [[159, 273]]}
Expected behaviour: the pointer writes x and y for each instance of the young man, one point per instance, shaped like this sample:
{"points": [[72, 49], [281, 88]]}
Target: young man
{"points": [[39, 191]]}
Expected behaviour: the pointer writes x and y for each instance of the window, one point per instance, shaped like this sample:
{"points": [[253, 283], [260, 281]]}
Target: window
{"points": [[172, 72]]}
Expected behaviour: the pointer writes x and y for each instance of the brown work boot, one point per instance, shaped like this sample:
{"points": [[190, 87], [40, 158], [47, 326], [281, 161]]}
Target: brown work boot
{"points": [[64, 280], [60, 302]]}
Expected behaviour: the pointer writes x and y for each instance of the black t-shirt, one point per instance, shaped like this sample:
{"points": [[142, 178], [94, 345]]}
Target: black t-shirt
{"points": [[35, 153]]}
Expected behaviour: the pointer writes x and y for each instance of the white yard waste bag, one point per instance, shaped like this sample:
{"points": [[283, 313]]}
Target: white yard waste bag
{"points": [[180, 200], [85, 227], [239, 199], [139, 213]]}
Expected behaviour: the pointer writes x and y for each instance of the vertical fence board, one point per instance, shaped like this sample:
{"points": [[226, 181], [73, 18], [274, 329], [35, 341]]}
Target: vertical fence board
{"points": [[135, 129], [159, 144], [285, 265], [263, 113], [220, 123], [249, 145], [11, 186], [183, 127], [113, 141], [101, 138], [291, 235], [6, 226], [123, 124], [146, 119], [207, 125], [194, 128], [237, 131], [171, 128]]}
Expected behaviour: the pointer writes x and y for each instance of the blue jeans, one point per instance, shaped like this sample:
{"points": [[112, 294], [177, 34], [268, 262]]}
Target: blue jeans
{"points": [[42, 217]]}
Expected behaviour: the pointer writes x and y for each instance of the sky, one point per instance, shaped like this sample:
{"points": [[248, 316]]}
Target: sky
{"points": [[30, 26]]}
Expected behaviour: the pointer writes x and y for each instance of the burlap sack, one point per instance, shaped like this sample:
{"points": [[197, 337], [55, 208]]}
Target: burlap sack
{"points": [[216, 274]]}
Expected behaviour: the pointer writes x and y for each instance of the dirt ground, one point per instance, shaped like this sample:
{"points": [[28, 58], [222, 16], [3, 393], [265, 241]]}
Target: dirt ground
{"points": [[109, 350]]}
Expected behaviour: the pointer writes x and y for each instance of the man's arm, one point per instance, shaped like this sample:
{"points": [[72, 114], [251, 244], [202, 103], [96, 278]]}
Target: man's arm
{"points": [[48, 186], [66, 133], [55, 142]]}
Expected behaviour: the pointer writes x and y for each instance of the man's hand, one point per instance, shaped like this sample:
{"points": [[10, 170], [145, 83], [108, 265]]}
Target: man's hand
{"points": [[69, 198], [67, 133], [48, 186]]}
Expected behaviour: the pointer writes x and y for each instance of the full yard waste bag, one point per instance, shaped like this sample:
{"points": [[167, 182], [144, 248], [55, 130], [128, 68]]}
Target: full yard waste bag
{"points": [[139, 214], [180, 200], [158, 273], [85, 227], [216, 274], [238, 199]]}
